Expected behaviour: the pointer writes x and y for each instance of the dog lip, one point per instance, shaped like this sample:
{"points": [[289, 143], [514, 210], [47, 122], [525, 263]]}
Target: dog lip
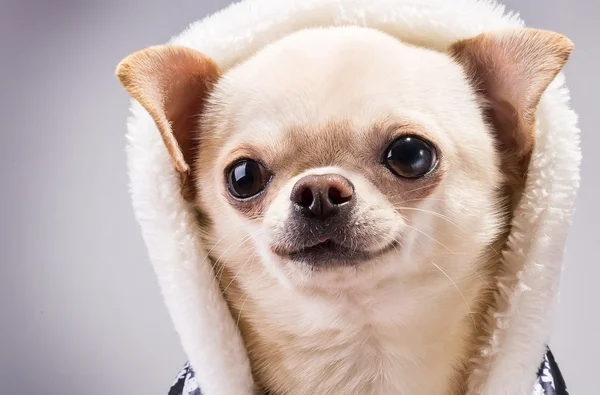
{"points": [[323, 243], [285, 253], [328, 253]]}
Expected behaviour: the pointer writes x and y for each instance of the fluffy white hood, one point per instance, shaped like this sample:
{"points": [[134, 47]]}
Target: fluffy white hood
{"points": [[529, 290]]}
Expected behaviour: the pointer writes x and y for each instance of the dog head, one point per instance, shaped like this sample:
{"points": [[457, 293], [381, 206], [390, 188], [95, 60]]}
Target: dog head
{"points": [[339, 157]]}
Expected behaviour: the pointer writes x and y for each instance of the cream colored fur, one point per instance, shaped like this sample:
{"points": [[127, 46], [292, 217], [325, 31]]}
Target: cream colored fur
{"points": [[374, 310], [399, 324]]}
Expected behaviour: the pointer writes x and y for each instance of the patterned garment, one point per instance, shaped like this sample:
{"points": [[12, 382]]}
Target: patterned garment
{"points": [[549, 380], [185, 383]]}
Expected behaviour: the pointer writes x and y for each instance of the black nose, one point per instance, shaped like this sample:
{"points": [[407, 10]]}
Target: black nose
{"points": [[322, 196]]}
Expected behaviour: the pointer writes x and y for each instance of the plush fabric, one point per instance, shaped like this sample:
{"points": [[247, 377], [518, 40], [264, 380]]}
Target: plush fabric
{"points": [[528, 291]]}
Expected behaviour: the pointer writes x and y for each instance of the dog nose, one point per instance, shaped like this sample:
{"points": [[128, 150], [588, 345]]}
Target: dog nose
{"points": [[322, 196]]}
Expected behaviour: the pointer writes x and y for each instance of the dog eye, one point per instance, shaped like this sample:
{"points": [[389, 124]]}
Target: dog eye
{"points": [[410, 157], [247, 178]]}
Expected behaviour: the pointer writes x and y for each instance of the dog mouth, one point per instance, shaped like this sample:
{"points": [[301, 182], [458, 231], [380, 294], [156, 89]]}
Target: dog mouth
{"points": [[328, 253]]}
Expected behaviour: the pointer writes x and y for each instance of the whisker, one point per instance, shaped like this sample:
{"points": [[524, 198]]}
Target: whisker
{"points": [[498, 254], [435, 214], [220, 270], [214, 246], [239, 271], [428, 198], [429, 237], [418, 189], [480, 277], [459, 291], [264, 273]]}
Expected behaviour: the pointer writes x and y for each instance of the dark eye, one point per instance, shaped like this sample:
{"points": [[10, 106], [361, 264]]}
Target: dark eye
{"points": [[410, 157], [247, 178]]}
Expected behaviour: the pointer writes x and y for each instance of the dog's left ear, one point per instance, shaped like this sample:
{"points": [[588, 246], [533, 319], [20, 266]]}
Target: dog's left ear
{"points": [[172, 83], [511, 70]]}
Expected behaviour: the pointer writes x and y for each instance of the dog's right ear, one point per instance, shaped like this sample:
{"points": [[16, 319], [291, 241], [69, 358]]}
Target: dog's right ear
{"points": [[172, 83]]}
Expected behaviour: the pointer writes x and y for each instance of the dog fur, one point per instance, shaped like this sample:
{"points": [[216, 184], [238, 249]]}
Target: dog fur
{"points": [[408, 321]]}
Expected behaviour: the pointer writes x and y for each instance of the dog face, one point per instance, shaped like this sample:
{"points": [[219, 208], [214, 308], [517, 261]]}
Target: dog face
{"points": [[362, 155], [342, 157]]}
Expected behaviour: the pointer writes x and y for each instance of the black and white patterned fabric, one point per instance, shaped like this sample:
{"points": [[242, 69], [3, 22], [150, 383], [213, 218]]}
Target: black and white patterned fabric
{"points": [[185, 383], [549, 380]]}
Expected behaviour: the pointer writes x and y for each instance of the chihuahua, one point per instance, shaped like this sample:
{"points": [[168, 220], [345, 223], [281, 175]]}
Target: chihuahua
{"points": [[354, 193]]}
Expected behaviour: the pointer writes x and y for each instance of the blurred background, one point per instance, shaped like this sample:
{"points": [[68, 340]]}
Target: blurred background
{"points": [[80, 310]]}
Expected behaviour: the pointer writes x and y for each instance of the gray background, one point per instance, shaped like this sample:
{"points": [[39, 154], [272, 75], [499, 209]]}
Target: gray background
{"points": [[80, 310]]}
